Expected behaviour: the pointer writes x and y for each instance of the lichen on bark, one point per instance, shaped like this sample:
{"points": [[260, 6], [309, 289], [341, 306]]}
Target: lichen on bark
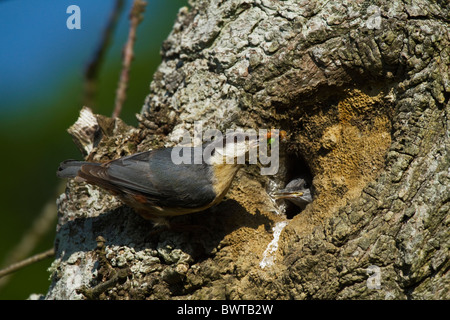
{"points": [[361, 87]]}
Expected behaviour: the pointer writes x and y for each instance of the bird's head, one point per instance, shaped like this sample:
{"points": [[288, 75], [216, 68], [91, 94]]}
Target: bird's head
{"points": [[233, 148]]}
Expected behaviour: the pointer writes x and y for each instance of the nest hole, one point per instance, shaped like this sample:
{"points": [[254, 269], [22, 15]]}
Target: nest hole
{"points": [[296, 167]]}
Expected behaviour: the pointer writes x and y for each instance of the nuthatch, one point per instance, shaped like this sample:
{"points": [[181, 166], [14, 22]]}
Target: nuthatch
{"points": [[157, 188], [297, 192]]}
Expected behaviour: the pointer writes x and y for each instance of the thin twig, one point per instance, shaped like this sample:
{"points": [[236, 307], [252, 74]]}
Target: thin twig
{"points": [[136, 16], [93, 67], [21, 264]]}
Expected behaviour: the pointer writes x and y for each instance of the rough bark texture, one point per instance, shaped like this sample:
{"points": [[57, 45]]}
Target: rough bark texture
{"points": [[362, 88]]}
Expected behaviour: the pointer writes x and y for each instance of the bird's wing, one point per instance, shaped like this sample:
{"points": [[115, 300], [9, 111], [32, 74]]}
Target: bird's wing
{"points": [[124, 174], [153, 174]]}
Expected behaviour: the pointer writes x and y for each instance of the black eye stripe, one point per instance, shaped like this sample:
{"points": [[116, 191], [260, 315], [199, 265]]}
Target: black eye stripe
{"points": [[236, 138]]}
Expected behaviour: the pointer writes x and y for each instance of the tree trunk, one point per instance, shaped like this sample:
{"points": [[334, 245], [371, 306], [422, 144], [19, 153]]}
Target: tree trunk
{"points": [[361, 87]]}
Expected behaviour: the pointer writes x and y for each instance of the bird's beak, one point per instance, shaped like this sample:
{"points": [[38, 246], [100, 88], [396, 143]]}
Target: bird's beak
{"points": [[269, 136], [280, 135]]}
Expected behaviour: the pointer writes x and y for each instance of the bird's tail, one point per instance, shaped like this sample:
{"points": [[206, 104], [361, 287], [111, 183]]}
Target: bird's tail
{"points": [[70, 168]]}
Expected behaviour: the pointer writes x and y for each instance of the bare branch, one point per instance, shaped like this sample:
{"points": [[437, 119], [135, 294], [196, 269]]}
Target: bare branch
{"points": [[135, 18], [93, 66], [33, 259]]}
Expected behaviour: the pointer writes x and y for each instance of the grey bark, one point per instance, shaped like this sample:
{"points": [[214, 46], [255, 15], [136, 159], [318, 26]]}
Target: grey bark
{"points": [[361, 87]]}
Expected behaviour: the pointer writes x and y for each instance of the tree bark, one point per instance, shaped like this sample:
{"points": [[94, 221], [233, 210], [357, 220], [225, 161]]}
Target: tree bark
{"points": [[361, 87]]}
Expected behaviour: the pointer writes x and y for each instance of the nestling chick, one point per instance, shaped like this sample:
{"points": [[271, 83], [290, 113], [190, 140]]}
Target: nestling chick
{"points": [[156, 188], [297, 191]]}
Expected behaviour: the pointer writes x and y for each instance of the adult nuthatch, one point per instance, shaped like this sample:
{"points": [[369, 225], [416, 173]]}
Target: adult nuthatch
{"points": [[157, 188], [297, 192]]}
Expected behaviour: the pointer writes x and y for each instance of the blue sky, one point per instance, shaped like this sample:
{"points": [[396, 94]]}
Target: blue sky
{"points": [[37, 48], [36, 45]]}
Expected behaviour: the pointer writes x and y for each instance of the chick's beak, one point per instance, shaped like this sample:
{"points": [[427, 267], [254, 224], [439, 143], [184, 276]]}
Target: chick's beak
{"points": [[303, 195], [283, 195]]}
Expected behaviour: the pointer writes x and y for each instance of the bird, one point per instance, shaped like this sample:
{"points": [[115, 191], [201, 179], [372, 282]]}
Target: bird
{"points": [[296, 191], [157, 188]]}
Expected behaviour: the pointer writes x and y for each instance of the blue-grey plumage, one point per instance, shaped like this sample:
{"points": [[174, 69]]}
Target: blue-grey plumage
{"points": [[297, 191], [152, 184]]}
